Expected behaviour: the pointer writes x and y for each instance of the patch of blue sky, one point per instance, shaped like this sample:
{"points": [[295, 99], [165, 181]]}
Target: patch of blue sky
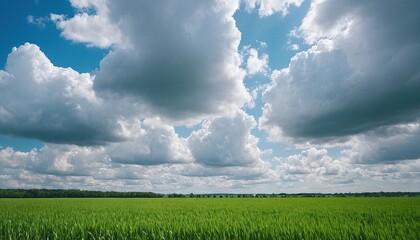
{"points": [[278, 149], [185, 131], [19, 144], [273, 30], [43, 32]]}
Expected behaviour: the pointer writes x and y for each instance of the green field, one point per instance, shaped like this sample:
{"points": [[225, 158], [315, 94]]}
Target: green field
{"points": [[227, 218]]}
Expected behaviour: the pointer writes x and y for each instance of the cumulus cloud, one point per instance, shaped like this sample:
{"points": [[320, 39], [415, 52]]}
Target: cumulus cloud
{"points": [[39, 100], [150, 142], [53, 159], [226, 141], [89, 25], [269, 7], [361, 73], [313, 165], [386, 145], [180, 60], [256, 64], [70, 166]]}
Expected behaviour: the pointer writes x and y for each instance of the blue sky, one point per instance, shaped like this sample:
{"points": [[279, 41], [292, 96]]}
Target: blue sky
{"points": [[60, 51], [232, 96]]}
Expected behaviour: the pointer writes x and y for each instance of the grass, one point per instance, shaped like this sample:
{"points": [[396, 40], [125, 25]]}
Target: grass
{"points": [[233, 218]]}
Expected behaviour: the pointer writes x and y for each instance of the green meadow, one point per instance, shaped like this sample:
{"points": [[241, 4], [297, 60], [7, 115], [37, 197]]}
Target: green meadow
{"points": [[211, 218]]}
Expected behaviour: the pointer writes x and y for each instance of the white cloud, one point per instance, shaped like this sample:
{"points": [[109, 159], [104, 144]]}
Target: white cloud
{"points": [[269, 7], [151, 142], [313, 165], [360, 73], [226, 141], [52, 159], [4, 78], [256, 64], [53, 104], [92, 29], [69, 166]]}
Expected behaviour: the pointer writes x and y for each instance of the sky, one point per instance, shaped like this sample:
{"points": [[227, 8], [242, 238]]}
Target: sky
{"points": [[211, 96]]}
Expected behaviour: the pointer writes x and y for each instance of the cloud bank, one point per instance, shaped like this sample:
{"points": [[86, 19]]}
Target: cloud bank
{"points": [[360, 73]]}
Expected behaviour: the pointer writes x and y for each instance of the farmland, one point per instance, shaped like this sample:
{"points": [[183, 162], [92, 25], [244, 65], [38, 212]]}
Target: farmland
{"points": [[211, 218]]}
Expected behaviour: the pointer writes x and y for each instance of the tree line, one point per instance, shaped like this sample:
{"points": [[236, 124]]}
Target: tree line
{"points": [[72, 193], [76, 193]]}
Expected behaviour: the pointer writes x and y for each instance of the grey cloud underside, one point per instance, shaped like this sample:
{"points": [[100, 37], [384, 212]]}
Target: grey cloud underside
{"points": [[369, 108], [387, 145], [83, 136], [364, 77], [181, 60], [404, 150], [173, 87]]}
